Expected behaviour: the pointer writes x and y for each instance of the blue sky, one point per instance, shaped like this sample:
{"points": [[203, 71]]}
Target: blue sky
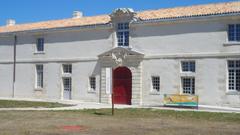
{"points": [[24, 11]]}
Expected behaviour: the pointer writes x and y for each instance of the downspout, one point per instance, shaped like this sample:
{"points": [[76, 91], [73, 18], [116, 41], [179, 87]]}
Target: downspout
{"points": [[14, 65]]}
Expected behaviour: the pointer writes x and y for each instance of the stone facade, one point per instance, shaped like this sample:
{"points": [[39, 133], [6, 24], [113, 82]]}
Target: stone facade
{"points": [[156, 48]]}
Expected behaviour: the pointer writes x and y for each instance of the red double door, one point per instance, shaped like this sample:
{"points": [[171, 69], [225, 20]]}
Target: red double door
{"points": [[122, 86]]}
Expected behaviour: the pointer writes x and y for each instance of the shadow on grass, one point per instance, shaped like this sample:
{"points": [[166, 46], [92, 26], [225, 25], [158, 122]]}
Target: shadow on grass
{"points": [[100, 113]]}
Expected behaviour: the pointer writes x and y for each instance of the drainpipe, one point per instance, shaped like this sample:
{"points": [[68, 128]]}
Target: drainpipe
{"points": [[14, 65]]}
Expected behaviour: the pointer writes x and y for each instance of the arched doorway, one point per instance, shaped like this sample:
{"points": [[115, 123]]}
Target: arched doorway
{"points": [[122, 86]]}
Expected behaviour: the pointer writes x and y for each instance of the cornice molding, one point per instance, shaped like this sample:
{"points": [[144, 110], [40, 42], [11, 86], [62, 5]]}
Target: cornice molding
{"points": [[145, 57]]}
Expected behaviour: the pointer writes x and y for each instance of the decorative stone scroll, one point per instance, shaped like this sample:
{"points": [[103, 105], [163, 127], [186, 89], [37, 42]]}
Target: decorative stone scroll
{"points": [[123, 13], [118, 57]]}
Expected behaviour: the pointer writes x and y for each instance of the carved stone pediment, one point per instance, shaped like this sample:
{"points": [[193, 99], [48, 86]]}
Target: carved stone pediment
{"points": [[122, 12], [119, 55], [126, 13]]}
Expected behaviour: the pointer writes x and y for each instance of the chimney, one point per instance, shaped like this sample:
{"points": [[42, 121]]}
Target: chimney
{"points": [[10, 22], [77, 14]]}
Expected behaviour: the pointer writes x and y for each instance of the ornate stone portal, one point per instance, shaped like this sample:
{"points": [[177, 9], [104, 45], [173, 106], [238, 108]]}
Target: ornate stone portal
{"points": [[119, 57]]}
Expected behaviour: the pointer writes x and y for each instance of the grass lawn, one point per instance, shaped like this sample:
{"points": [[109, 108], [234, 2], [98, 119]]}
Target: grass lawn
{"points": [[21, 104], [124, 122]]}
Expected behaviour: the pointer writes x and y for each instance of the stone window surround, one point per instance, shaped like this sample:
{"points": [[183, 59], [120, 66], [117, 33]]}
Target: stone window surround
{"points": [[230, 92], [90, 89]]}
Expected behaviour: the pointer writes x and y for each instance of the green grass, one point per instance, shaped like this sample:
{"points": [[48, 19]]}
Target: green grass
{"points": [[124, 122], [22, 104], [155, 113]]}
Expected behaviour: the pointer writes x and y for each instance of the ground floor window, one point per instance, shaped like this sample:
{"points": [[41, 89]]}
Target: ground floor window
{"points": [[234, 75], [155, 83], [92, 83], [39, 76], [67, 87], [188, 85], [67, 84]]}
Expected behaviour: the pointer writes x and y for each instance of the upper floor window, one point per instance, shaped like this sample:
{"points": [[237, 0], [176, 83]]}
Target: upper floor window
{"points": [[234, 75], [40, 45], [234, 32], [67, 68], [123, 34], [188, 66]]}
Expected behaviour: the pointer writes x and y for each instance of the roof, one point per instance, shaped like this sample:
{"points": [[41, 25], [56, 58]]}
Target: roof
{"points": [[190, 11]]}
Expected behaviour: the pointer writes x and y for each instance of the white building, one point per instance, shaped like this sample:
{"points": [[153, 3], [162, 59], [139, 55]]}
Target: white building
{"points": [[185, 50]]}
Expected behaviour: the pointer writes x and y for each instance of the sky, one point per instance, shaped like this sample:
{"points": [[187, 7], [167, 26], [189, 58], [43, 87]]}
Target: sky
{"points": [[26, 11]]}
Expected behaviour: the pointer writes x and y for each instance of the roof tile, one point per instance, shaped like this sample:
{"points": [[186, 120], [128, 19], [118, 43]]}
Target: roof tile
{"points": [[197, 10]]}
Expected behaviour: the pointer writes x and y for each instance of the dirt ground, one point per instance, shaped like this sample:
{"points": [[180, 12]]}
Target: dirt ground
{"points": [[124, 122]]}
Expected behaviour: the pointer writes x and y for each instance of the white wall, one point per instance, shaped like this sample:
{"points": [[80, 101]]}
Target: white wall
{"points": [[80, 77], [6, 79], [25, 80], [210, 81], [6, 48], [168, 70], [52, 86], [68, 47], [6, 68], [179, 38], [80, 44]]}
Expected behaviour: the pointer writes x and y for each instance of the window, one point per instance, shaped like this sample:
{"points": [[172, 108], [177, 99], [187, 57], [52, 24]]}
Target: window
{"points": [[156, 83], [234, 75], [40, 45], [67, 84], [123, 34], [39, 76], [188, 85], [67, 68], [92, 81], [188, 66], [234, 32]]}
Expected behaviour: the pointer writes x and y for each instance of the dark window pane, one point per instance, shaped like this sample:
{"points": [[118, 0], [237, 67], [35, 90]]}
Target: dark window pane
{"points": [[123, 34], [40, 44], [188, 66], [238, 32], [231, 32]]}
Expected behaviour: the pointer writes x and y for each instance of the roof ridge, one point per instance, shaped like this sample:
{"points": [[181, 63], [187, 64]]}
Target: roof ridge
{"points": [[188, 6], [63, 19], [150, 10], [196, 5]]}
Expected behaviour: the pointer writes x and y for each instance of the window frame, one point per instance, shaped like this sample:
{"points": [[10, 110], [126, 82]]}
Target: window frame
{"points": [[70, 83], [92, 90], [231, 91], [125, 30], [39, 84], [38, 43], [70, 88], [153, 85], [193, 91], [235, 33], [68, 65], [188, 66]]}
